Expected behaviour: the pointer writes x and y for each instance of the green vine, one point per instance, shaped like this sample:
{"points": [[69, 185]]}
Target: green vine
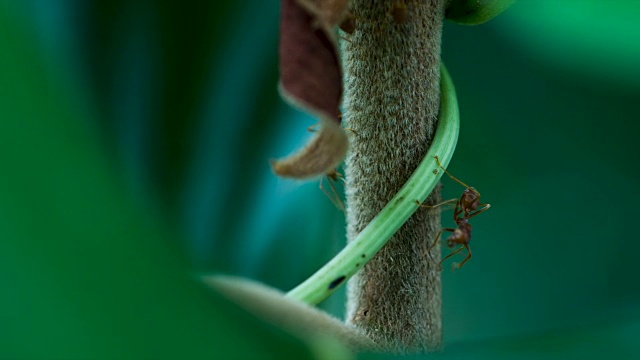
{"points": [[375, 235]]}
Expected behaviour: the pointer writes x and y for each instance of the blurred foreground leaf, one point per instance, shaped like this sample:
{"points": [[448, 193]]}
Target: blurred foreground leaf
{"points": [[154, 59], [83, 273]]}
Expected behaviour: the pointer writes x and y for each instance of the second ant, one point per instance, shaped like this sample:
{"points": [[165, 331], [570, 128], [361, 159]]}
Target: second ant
{"points": [[332, 177]]}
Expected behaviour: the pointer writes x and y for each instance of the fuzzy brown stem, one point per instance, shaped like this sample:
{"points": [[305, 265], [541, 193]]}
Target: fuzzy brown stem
{"points": [[392, 75]]}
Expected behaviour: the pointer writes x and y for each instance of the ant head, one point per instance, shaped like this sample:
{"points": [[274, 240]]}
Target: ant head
{"points": [[470, 199]]}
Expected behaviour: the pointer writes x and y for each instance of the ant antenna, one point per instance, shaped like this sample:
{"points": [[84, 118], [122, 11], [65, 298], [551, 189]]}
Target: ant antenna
{"points": [[454, 178]]}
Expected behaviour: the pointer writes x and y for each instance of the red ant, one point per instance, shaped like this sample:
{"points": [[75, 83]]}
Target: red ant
{"points": [[332, 177], [466, 208]]}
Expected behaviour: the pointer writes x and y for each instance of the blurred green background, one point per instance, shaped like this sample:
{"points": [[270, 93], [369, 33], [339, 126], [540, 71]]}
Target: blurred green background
{"points": [[134, 139]]}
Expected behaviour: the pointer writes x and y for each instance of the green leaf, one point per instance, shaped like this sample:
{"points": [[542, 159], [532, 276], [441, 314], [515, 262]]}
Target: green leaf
{"points": [[597, 40], [475, 12], [84, 273]]}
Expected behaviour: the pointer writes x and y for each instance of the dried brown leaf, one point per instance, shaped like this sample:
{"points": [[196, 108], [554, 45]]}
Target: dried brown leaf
{"points": [[327, 14], [311, 79], [322, 154]]}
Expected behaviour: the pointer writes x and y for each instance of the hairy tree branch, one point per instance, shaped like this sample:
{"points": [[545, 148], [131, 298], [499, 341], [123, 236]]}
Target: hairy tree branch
{"points": [[392, 74]]}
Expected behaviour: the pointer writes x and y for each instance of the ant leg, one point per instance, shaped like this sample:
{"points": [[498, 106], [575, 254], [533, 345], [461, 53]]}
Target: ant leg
{"points": [[314, 128], [345, 39], [340, 117], [478, 212], [351, 129], [458, 266], [454, 178], [453, 253], [436, 205], [332, 194], [435, 241], [429, 247], [335, 176]]}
